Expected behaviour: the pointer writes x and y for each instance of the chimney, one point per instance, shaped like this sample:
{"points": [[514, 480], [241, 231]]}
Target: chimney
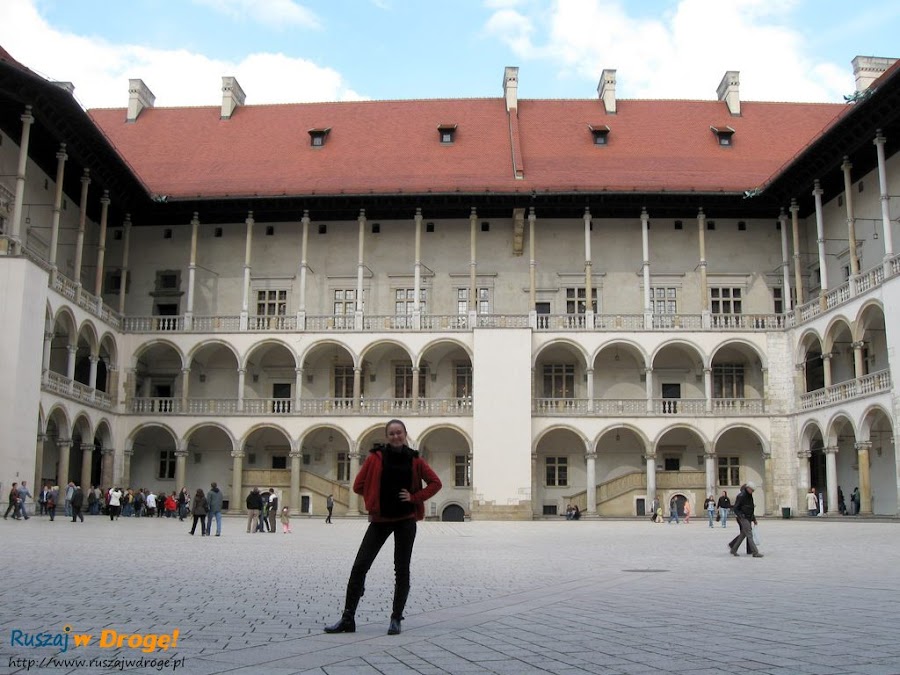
{"points": [[67, 86], [232, 96], [728, 91], [867, 69], [139, 97], [607, 90], [511, 88]]}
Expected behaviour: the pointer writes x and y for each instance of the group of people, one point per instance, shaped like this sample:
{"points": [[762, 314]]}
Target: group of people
{"points": [[816, 505], [573, 512], [262, 510]]}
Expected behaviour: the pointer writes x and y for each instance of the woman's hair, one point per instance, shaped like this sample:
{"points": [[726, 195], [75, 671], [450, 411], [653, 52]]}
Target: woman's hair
{"points": [[388, 426], [199, 492]]}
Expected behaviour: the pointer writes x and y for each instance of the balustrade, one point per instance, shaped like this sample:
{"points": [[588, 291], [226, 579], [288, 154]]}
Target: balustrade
{"points": [[152, 324], [874, 383], [679, 406], [271, 323], [738, 406], [678, 321], [216, 324]]}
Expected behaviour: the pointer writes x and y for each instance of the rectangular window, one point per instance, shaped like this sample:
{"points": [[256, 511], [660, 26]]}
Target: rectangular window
{"points": [[462, 471], [549, 510], [403, 382], [343, 467], [344, 302], [462, 380], [482, 304], [279, 461], [166, 464], [664, 300], [343, 382], [729, 471], [672, 463], [576, 300], [778, 300], [559, 380], [405, 301], [271, 303], [725, 300], [728, 380], [557, 471]]}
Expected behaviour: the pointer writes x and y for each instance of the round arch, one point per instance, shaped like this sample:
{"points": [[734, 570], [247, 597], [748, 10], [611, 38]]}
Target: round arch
{"points": [[423, 437], [55, 413], [834, 326], [129, 441], [211, 425], [89, 331], [838, 420], [108, 342], [441, 341], [621, 342], [212, 342], [561, 342], [310, 348], [864, 316], [869, 416], [104, 432], [384, 343], [82, 424], [680, 342], [805, 342], [262, 346], [453, 512], [378, 428], [728, 342], [680, 426], [157, 342], [559, 427], [637, 431], [65, 316], [265, 426], [765, 446], [330, 427], [809, 430]]}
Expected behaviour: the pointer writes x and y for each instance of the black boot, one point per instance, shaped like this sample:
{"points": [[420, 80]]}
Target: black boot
{"points": [[394, 628], [401, 592], [347, 624]]}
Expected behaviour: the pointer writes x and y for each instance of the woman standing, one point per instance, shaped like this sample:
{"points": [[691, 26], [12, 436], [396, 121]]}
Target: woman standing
{"points": [[724, 507], [199, 508], [390, 482], [710, 506]]}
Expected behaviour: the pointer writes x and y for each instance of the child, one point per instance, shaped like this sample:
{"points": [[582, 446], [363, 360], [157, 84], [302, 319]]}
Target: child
{"points": [[286, 520]]}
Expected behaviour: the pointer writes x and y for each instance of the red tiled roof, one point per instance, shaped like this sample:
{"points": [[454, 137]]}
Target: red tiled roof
{"points": [[393, 147]]}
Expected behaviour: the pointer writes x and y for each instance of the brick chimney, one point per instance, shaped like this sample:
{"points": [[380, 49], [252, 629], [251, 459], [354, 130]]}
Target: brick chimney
{"points": [[139, 97], [232, 96], [728, 91], [511, 88], [607, 90], [867, 69]]}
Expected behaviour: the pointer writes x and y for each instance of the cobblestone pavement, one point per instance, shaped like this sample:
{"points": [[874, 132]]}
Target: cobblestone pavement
{"points": [[519, 598]]}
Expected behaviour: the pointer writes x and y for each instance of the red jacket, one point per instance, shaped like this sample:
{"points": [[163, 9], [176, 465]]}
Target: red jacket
{"points": [[368, 484]]}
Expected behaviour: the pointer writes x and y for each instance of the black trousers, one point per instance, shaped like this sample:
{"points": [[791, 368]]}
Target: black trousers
{"points": [[76, 513], [746, 532], [404, 532], [202, 520]]}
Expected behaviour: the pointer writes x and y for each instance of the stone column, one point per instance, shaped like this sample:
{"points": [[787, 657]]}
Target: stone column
{"points": [[709, 457], [591, 483], [803, 478], [865, 483], [851, 223], [185, 393], [70, 362], [417, 270], [92, 376], [885, 199], [107, 465], [112, 383], [826, 368], [798, 271], [101, 245], [360, 268], [87, 454], [45, 358], [831, 482], [192, 272], [645, 267], [537, 509], [859, 363], [181, 466], [708, 388], [298, 387], [353, 501], [296, 461], [123, 278], [126, 467], [304, 245], [473, 262], [61, 158], [648, 385], [415, 388], [588, 264], [236, 503], [38, 483], [79, 241], [62, 476], [590, 389], [357, 387], [785, 263], [532, 262], [245, 299], [704, 289], [769, 469], [820, 245], [240, 391], [16, 226], [650, 458]]}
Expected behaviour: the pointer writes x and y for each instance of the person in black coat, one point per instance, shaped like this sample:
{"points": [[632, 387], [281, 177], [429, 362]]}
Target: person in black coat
{"points": [[77, 502], [744, 509]]}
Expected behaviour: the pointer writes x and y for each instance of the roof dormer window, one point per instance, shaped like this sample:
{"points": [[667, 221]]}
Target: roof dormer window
{"points": [[317, 137], [600, 132], [447, 133], [723, 134]]}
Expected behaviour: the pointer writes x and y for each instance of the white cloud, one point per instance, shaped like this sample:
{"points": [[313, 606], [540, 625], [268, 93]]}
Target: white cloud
{"points": [[272, 13], [100, 70], [683, 54]]}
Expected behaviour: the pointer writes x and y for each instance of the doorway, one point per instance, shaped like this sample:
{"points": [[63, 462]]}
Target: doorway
{"points": [[453, 514], [670, 392], [281, 393]]}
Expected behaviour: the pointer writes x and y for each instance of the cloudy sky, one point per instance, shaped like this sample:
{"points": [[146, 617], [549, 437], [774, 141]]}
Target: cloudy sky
{"points": [[318, 50]]}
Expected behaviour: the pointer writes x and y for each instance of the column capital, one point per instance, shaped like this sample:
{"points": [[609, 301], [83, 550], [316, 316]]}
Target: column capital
{"points": [[296, 454], [298, 370], [94, 358], [648, 371], [129, 452], [879, 138], [795, 207], [87, 447], [589, 371], [782, 216], [847, 164], [105, 200], [186, 370], [62, 152], [800, 366], [804, 454], [237, 454], [249, 219], [107, 451], [305, 219], [418, 216], [41, 438], [590, 455], [49, 335], [649, 456], [241, 371], [531, 214], [827, 356], [858, 344], [362, 217], [863, 446], [86, 177], [181, 453], [27, 117], [767, 455], [72, 348], [195, 219], [707, 370], [709, 454], [64, 442], [817, 188], [473, 213], [830, 450]]}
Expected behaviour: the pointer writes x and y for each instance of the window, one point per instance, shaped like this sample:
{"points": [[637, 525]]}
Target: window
{"points": [[279, 461], [317, 137], [323, 228], [429, 227], [559, 381], [729, 471], [447, 133], [725, 300], [723, 135], [343, 467], [672, 463], [114, 282], [117, 234], [217, 232], [664, 300], [167, 233], [403, 382], [344, 302], [166, 464], [462, 387], [557, 471], [376, 228], [482, 306], [679, 225], [166, 281], [343, 382], [271, 303], [742, 225], [728, 380], [710, 224], [405, 300], [270, 230], [778, 299], [462, 471], [576, 300], [549, 510], [485, 227], [600, 133]]}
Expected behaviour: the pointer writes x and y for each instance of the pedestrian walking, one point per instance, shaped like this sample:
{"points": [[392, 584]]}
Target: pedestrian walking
{"points": [[329, 504], [184, 499], [13, 502], [24, 494], [254, 508], [710, 506], [214, 500], [673, 510], [76, 503], [286, 520], [199, 508], [812, 503], [842, 505], [52, 499], [391, 483], [855, 500], [687, 511], [70, 490], [272, 509], [744, 513], [114, 505], [724, 506], [42, 499]]}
